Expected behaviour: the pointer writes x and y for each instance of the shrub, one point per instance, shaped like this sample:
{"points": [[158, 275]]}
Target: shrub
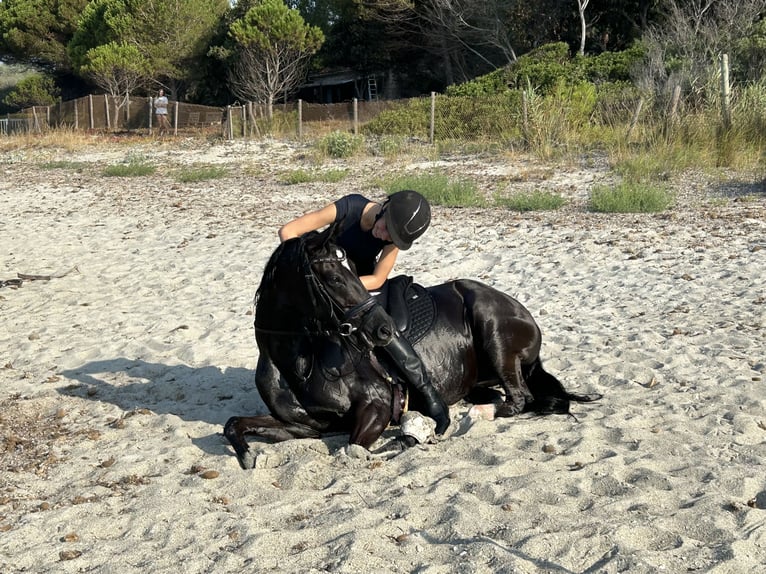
{"points": [[630, 197], [339, 144], [189, 175], [438, 189], [130, 169], [34, 90]]}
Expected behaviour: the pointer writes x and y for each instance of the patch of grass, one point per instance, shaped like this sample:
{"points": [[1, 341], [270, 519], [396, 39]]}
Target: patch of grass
{"points": [[530, 201], [630, 197], [64, 164], [297, 176], [438, 189], [130, 169], [201, 173]]}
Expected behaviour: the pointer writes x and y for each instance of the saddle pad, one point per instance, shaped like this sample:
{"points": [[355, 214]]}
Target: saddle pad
{"points": [[422, 312]]}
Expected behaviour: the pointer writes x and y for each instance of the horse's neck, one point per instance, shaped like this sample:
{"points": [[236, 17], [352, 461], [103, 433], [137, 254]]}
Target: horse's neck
{"points": [[301, 357]]}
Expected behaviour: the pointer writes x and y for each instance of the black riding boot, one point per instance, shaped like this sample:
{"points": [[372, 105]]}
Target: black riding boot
{"points": [[401, 351]]}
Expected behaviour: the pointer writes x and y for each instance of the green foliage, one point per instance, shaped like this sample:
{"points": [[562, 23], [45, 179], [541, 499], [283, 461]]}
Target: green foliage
{"points": [[495, 82], [268, 51], [630, 197], [37, 31], [133, 168], [339, 144], [270, 23], [297, 176], [438, 188], [405, 118], [200, 173], [77, 166], [550, 65], [159, 45], [34, 90], [544, 68], [530, 201], [117, 68]]}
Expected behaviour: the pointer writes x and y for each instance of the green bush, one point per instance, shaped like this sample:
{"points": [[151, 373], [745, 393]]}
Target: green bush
{"points": [[297, 176], [438, 188], [190, 175], [130, 169], [630, 197], [410, 118], [340, 144], [34, 90]]}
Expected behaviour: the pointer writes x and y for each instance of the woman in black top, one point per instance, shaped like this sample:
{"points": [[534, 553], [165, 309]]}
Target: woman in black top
{"points": [[372, 234]]}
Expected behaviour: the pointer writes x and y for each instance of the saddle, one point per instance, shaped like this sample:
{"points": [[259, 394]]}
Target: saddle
{"points": [[411, 306]]}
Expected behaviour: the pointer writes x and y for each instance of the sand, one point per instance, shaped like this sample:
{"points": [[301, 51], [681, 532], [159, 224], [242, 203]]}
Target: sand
{"points": [[123, 359]]}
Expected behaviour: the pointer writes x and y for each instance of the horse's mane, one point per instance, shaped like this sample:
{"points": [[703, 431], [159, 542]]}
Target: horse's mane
{"points": [[292, 255]]}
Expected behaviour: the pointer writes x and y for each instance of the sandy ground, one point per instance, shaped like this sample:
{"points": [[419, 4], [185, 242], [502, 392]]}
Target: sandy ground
{"points": [[122, 361]]}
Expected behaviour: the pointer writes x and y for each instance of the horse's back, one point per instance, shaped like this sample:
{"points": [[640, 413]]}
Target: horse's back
{"points": [[479, 299]]}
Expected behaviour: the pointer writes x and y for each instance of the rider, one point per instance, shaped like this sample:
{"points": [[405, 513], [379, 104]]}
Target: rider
{"points": [[372, 235]]}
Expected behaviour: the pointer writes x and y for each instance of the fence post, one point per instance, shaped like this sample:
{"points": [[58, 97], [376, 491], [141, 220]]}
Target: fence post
{"points": [[76, 116], [433, 118], [300, 120], [90, 110], [106, 107], [725, 91], [356, 117], [151, 109], [175, 119]]}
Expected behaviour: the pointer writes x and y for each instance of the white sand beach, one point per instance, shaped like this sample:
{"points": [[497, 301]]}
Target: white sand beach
{"points": [[121, 361]]}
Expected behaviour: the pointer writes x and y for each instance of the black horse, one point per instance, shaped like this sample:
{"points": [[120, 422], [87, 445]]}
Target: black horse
{"points": [[316, 327]]}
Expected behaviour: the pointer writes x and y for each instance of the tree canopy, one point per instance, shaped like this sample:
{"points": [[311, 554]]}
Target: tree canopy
{"points": [[260, 49]]}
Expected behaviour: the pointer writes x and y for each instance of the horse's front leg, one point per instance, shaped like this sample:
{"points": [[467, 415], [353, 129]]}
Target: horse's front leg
{"points": [[369, 422], [264, 426], [517, 393]]}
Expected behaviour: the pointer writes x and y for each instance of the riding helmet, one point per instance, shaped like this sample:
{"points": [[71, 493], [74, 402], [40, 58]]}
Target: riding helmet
{"points": [[407, 215]]}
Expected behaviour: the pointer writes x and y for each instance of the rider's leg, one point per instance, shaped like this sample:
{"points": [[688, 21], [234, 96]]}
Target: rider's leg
{"points": [[401, 351]]}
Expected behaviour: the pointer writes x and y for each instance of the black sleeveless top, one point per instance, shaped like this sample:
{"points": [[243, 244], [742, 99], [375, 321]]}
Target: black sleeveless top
{"points": [[360, 246]]}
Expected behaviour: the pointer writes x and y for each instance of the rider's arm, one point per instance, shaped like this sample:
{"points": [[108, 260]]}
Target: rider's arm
{"points": [[382, 268], [309, 222]]}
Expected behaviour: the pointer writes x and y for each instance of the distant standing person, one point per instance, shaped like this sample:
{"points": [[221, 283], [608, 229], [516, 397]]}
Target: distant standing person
{"points": [[161, 112]]}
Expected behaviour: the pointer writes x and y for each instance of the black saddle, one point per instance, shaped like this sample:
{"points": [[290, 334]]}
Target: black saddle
{"points": [[411, 306]]}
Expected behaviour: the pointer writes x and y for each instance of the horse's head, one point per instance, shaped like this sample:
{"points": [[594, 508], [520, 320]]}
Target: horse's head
{"points": [[340, 296], [309, 280]]}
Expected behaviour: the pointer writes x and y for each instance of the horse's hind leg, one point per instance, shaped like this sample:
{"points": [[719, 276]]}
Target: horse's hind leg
{"points": [[517, 393], [264, 426]]}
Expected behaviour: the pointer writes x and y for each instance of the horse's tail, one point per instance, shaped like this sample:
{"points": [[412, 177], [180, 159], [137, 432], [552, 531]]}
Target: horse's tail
{"points": [[550, 396]]}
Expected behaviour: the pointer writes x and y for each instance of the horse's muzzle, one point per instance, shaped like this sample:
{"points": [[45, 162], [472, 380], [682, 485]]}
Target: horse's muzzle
{"points": [[374, 324]]}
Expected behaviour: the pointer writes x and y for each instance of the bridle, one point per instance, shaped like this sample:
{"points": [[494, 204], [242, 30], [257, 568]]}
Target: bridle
{"points": [[339, 319], [342, 318]]}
